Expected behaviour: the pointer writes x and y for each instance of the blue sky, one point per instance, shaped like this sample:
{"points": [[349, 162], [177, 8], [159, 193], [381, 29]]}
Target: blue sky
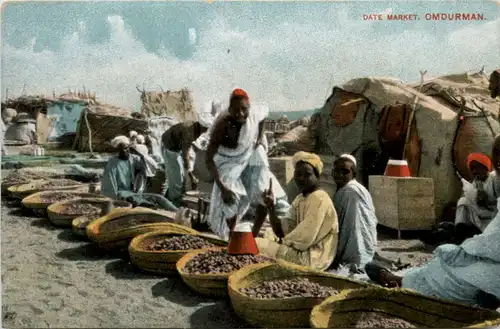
{"points": [[288, 54]]}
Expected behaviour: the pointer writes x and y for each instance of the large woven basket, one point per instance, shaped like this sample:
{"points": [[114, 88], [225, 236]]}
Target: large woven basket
{"points": [[129, 223], [162, 262], [39, 202], [280, 312], [213, 285], [59, 217], [23, 190], [79, 225], [343, 310]]}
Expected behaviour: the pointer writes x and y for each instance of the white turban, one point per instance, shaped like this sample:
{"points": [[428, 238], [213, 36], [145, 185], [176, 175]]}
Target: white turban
{"points": [[140, 139], [132, 134], [349, 157], [120, 140]]}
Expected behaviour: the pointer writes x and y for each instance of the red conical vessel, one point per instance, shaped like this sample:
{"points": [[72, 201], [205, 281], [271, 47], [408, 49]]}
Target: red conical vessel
{"points": [[242, 241], [397, 168]]}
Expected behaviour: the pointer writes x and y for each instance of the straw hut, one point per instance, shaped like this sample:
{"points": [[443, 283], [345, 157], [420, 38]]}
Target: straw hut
{"points": [[175, 104]]}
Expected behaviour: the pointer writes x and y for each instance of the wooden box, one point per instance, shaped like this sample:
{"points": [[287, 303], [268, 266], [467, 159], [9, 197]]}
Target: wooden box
{"points": [[404, 203]]}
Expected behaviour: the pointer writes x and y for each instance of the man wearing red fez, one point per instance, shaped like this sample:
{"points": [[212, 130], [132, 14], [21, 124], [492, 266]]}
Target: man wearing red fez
{"points": [[237, 160]]}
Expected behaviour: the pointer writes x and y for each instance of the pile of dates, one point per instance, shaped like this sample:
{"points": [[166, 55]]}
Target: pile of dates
{"points": [[220, 262], [81, 208], [182, 242], [377, 320], [288, 288]]}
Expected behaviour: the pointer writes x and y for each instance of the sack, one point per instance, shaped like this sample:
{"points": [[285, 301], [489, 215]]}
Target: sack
{"points": [[279, 312], [344, 309], [163, 261]]}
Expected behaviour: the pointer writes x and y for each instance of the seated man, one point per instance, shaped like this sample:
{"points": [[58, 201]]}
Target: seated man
{"points": [[307, 235], [466, 273], [357, 220], [124, 178], [237, 160], [473, 216]]}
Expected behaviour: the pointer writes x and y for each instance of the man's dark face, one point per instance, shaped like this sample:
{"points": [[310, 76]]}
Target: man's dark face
{"points": [[239, 109], [305, 177], [343, 172], [494, 86], [123, 152], [478, 171]]}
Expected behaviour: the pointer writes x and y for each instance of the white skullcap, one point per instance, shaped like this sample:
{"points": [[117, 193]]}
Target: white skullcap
{"points": [[133, 133], [141, 139], [120, 140], [348, 157]]}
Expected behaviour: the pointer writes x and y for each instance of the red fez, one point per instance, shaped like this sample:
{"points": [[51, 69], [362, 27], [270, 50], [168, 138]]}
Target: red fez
{"points": [[239, 93]]}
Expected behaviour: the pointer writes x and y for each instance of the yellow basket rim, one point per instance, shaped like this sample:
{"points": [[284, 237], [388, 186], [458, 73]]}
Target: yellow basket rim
{"points": [[136, 242]]}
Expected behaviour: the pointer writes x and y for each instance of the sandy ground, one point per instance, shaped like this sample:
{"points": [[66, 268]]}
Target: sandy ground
{"points": [[50, 278]]}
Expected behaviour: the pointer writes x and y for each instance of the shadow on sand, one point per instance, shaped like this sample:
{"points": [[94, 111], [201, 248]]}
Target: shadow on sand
{"points": [[44, 223], [88, 251], [176, 291], [70, 236], [124, 270], [218, 315]]}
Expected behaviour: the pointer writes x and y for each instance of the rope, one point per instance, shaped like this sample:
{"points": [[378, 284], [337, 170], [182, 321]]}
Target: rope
{"points": [[412, 114]]}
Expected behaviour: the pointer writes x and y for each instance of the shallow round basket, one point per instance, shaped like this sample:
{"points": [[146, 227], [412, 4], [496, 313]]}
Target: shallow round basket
{"points": [[23, 190], [345, 309], [59, 217], [114, 231], [164, 261], [38, 201], [280, 312], [213, 285], [79, 225]]}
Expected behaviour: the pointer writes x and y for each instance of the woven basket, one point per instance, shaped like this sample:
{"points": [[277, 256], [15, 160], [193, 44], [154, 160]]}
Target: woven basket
{"points": [[343, 310], [129, 223], [24, 190], [280, 312], [58, 217], [213, 285], [161, 262], [36, 200], [79, 225]]}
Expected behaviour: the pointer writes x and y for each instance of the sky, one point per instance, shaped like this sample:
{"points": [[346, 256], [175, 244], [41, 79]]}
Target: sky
{"points": [[287, 54]]}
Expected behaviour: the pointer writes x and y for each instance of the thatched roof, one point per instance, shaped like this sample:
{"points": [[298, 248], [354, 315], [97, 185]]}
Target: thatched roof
{"points": [[177, 104], [38, 103]]}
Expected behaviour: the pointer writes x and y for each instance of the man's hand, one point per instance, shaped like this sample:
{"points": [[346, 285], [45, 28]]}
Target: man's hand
{"points": [[194, 180], [268, 196], [228, 196], [482, 198]]}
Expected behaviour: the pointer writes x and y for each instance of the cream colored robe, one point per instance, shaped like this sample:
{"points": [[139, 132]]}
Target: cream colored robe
{"points": [[311, 233]]}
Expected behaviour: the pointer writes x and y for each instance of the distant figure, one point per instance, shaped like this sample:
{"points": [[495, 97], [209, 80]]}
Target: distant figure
{"points": [[308, 234], [150, 164], [357, 219], [494, 85], [141, 144]]}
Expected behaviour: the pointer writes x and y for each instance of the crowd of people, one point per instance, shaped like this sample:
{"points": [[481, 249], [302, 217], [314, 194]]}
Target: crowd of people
{"points": [[315, 229]]}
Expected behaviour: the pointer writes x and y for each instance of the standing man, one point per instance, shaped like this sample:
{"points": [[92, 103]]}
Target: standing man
{"points": [[237, 160], [494, 86], [178, 154]]}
